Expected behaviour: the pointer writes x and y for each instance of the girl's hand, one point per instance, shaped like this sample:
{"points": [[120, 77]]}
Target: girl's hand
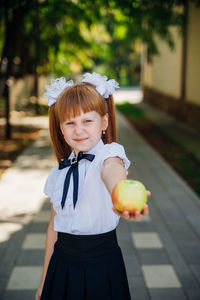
{"points": [[137, 216], [38, 293]]}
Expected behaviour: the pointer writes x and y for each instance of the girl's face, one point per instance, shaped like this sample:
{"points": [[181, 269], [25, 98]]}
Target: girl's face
{"points": [[83, 132]]}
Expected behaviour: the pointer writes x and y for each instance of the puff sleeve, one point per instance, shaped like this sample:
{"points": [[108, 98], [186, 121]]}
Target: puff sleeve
{"points": [[115, 149], [50, 182]]}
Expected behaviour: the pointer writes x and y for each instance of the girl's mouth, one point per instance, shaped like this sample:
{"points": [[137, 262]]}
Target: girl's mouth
{"points": [[80, 140]]}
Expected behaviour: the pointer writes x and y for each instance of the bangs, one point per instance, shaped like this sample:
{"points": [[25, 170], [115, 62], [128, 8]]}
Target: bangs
{"points": [[77, 98]]}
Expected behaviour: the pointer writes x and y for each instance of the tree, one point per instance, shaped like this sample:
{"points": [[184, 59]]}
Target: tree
{"points": [[45, 36]]}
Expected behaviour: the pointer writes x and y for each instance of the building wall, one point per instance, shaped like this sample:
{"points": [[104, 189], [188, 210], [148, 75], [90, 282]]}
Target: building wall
{"points": [[164, 73], [193, 55], [162, 78]]}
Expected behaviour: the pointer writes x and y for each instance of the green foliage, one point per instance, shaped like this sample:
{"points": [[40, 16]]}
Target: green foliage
{"points": [[131, 111], [70, 37]]}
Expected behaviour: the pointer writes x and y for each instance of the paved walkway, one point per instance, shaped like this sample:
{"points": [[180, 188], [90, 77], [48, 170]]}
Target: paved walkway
{"points": [[162, 252], [186, 137]]}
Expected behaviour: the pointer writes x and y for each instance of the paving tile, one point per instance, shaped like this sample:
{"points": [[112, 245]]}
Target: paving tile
{"points": [[179, 226], [36, 227], [193, 294], [126, 247], [122, 228], [186, 239], [153, 257], [146, 240], [160, 276], [193, 218], [167, 294], [140, 295], [42, 216], [196, 270], [138, 289], [33, 257], [143, 219], [132, 264], [191, 254], [34, 241], [137, 282], [7, 229], [25, 278], [140, 226], [19, 295]]}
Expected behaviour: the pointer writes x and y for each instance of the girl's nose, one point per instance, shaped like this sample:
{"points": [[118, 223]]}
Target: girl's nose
{"points": [[78, 129]]}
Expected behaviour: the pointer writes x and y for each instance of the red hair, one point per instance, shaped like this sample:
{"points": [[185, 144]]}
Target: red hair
{"points": [[79, 97]]}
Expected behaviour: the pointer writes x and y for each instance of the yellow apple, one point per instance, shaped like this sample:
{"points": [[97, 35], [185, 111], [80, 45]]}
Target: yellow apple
{"points": [[130, 195]]}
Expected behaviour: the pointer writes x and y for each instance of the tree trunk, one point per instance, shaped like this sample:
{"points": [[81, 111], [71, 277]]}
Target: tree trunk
{"points": [[7, 106]]}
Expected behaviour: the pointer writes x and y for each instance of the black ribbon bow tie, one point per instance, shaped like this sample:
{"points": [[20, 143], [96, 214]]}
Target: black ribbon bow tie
{"points": [[73, 163]]}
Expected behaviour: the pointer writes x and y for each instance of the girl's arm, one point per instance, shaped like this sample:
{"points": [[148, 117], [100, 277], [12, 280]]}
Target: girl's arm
{"points": [[51, 238], [112, 173]]}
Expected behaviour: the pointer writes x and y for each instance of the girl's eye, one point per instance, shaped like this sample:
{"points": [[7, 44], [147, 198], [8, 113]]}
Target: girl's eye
{"points": [[88, 121], [69, 123]]}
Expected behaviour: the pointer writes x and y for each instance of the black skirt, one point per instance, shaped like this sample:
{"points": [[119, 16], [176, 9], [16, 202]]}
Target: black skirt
{"points": [[86, 267]]}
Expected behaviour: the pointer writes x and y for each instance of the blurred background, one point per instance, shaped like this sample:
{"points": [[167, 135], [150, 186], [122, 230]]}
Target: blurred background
{"points": [[152, 48]]}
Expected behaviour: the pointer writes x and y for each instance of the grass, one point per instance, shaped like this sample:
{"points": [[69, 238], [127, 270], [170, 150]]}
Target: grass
{"points": [[131, 111], [178, 158]]}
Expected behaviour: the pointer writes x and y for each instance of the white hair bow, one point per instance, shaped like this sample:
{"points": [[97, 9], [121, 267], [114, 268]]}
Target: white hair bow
{"points": [[56, 87], [104, 86]]}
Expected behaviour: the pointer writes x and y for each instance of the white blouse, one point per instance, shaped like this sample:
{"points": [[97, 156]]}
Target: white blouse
{"points": [[93, 212]]}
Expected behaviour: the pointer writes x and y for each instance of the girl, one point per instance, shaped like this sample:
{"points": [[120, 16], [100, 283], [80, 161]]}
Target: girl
{"points": [[82, 258]]}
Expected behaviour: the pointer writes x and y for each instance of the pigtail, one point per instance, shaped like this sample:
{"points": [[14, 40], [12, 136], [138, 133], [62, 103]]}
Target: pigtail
{"points": [[111, 132], [60, 147]]}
